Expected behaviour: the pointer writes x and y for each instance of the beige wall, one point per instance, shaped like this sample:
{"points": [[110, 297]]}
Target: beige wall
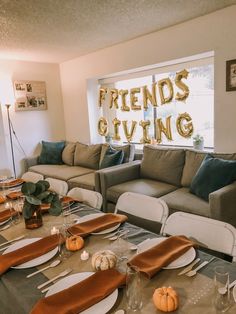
{"points": [[215, 32], [31, 126]]}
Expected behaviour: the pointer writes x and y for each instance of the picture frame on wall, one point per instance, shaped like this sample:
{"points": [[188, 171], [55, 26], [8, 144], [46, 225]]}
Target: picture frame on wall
{"points": [[30, 95], [231, 75]]}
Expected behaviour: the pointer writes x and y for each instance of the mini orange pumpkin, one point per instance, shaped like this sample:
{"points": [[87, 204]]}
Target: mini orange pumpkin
{"points": [[74, 243], [166, 299]]}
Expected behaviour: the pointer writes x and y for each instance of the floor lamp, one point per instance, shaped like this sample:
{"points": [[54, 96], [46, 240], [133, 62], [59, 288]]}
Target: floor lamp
{"points": [[10, 132]]}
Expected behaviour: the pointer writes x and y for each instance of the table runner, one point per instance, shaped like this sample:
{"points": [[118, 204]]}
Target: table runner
{"points": [[14, 281]]}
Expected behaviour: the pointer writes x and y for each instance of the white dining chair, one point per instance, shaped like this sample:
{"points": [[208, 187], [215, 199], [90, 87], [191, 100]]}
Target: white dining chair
{"points": [[58, 186], [91, 198], [30, 176], [143, 206], [213, 234]]}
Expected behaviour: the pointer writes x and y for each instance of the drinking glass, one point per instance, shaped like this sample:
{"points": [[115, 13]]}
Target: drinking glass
{"points": [[63, 252], [133, 289], [16, 210], [222, 295]]}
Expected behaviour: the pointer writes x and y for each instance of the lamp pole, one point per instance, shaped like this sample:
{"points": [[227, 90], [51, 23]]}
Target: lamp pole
{"points": [[10, 132]]}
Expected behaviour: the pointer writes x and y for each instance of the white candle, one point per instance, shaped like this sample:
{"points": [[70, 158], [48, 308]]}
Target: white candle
{"points": [[84, 256], [54, 230], [8, 205]]}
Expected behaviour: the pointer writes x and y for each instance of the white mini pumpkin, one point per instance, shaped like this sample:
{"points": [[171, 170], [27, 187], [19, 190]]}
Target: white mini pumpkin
{"points": [[103, 260]]}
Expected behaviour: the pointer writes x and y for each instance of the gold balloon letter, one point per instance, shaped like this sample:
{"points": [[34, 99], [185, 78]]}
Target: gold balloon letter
{"points": [[169, 85], [113, 98], [124, 106], [129, 135], [103, 126], [116, 122], [134, 99], [101, 96], [179, 76], [185, 130], [160, 128], [147, 95], [145, 125]]}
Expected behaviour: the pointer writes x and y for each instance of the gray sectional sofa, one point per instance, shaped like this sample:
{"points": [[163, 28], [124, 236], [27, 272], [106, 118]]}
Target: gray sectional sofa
{"points": [[168, 173], [80, 164]]}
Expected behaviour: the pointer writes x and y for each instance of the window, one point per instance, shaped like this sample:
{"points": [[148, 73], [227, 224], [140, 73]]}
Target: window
{"points": [[199, 104]]}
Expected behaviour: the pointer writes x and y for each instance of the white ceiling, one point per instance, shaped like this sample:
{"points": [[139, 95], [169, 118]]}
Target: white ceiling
{"points": [[59, 30]]}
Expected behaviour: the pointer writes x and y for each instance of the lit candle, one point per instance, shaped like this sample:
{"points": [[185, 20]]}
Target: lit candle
{"points": [[54, 230], [8, 205], [84, 256]]}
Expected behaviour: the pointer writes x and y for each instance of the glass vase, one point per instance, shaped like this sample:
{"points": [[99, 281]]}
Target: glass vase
{"points": [[35, 221]]}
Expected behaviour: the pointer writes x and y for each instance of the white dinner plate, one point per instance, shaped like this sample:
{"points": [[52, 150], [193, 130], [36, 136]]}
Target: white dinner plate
{"points": [[101, 307], [34, 262], [234, 293], [93, 216], [5, 221], [181, 261]]}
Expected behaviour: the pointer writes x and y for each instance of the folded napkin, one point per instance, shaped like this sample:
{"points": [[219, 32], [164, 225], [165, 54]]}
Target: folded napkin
{"points": [[66, 199], [161, 255], [82, 295], [98, 224], [14, 195], [7, 184], [28, 252], [6, 214], [2, 199]]}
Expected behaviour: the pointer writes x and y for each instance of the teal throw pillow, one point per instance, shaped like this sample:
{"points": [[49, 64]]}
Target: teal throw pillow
{"points": [[213, 174], [112, 157], [51, 153]]}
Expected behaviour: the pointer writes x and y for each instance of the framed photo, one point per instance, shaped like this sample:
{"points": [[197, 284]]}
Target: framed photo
{"points": [[231, 75], [30, 95]]}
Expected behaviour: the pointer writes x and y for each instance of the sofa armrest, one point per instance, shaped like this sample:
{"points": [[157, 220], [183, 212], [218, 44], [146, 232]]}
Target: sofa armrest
{"points": [[222, 204], [30, 161], [97, 182], [116, 175]]}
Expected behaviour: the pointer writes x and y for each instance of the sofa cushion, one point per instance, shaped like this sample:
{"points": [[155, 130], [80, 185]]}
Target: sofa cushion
{"points": [[51, 153], [183, 200], [112, 157], [61, 172], [68, 154], [163, 164], [128, 150], [213, 174], [142, 186], [87, 155], [86, 181], [193, 160]]}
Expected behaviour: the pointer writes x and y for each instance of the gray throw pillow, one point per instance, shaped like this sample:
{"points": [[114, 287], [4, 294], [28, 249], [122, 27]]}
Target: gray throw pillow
{"points": [[87, 156], [68, 154]]}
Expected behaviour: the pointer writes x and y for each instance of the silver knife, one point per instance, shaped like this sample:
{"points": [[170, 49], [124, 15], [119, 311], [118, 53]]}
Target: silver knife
{"points": [[15, 239], [189, 267]]}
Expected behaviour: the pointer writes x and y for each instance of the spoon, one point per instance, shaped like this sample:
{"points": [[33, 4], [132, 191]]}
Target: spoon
{"points": [[53, 264], [223, 290]]}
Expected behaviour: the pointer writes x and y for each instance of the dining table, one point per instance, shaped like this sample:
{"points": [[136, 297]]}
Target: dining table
{"points": [[19, 294]]}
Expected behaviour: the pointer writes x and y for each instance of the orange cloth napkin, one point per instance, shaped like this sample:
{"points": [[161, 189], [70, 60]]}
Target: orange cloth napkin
{"points": [[98, 224], [6, 214], [2, 199], [161, 255], [82, 295], [14, 195], [28, 252], [8, 184]]}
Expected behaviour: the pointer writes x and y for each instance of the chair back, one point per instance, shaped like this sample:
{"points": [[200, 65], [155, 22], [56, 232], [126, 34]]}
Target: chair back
{"points": [[213, 234], [58, 186], [32, 177], [91, 198], [143, 206]]}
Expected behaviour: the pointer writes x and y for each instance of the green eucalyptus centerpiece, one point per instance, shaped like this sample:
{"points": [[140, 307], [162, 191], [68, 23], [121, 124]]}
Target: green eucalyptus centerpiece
{"points": [[37, 194]]}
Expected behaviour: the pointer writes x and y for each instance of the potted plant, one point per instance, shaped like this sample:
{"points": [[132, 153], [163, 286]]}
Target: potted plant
{"points": [[198, 142], [37, 194]]}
